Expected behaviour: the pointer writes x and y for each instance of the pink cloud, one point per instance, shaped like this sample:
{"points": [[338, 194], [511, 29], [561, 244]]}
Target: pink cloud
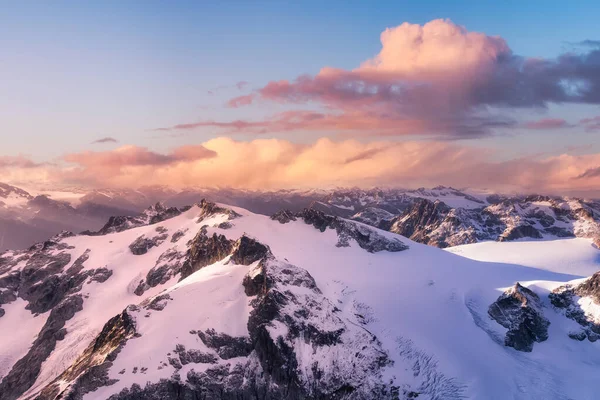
{"points": [[445, 77], [276, 163], [241, 101], [547, 123], [131, 156], [241, 85], [591, 124], [18, 162]]}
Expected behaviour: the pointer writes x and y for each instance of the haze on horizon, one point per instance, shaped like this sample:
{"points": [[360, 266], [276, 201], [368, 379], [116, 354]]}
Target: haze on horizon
{"points": [[271, 95]]}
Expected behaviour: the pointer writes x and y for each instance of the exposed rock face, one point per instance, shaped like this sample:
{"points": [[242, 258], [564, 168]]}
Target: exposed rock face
{"points": [[208, 209], [152, 215], [43, 281], [571, 300], [24, 373], [436, 224], [246, 251], [176, 236], [283, 216], [226, 346], [374, 216], [205, 250], [366, 237], [520, 311], [519, 232], [90, 370], [47, 285], [142, 244]]}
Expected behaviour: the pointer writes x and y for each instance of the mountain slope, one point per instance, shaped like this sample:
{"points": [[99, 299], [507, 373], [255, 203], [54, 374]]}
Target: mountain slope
{"points": [[218, 302]]}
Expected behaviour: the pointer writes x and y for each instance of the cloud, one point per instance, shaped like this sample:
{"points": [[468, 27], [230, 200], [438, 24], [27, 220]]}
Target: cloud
{"points": [[277, 164], [105, 140], [241, 85], [17, 162], [358, 122], [591, 124], [590, 173], [547, 123], [241, 101], [590, 43], [138, 156], [438, 78]]}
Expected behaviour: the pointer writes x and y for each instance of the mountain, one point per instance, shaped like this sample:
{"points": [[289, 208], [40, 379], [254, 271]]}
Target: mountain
{"points": [[441, 216], [534, 217], [217, 302]]}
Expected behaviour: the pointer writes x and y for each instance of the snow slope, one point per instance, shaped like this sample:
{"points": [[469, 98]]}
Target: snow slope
{"points": [[575, 256], [424, 309]]}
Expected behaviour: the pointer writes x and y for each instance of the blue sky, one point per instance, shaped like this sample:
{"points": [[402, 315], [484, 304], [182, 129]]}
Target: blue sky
{"points": [[74, 72]]}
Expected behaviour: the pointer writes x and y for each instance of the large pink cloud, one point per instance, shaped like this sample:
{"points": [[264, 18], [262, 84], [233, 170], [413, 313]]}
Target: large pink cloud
{"points": [[455, 83], [277, 163]]}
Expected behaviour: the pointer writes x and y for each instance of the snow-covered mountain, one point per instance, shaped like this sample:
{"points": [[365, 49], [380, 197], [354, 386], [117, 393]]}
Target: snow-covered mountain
{"points": [[217, 302], [440, 217], [534, 217]]}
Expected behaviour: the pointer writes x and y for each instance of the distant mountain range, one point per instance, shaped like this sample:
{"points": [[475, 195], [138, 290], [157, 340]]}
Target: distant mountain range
{"points": [[441, 216]]}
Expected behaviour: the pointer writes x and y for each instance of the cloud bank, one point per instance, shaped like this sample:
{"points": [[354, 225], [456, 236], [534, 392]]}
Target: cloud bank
{"points": [[276, 163]]}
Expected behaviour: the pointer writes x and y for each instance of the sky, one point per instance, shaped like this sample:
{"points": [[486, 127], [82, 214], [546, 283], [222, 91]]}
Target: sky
{"points": [[280, 94]]}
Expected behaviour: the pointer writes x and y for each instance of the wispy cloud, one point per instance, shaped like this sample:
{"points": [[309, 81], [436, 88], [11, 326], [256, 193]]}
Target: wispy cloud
{"points": [[107, 139], [547, 123], [590, 173]]}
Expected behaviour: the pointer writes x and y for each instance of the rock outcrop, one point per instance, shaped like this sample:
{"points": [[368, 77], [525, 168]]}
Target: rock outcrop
{"points": [[520, 311], [366, 237], [578, 302]]}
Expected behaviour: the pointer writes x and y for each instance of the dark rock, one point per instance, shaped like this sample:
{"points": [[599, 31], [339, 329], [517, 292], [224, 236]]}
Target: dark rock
{"points": [[246, 251], [225, 225], [283, 216], [193, 356], [158, 303], [208, 209], [90, 371], [580, 336], [520, 311], [205, 250], [168, 265], [565, 298], [142, 244], [519, 232], [177, 235], [101, 275], [559, 232], [367, 238], [226, 346], [25, 371]]}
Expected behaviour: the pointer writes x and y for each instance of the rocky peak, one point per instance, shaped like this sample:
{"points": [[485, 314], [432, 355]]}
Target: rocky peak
{"points": [[205, 250], [247, 250], [520, 311], [283, 216], [568, 299], [366, 237], [6, 190], [152, 215], [208, 209]]}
